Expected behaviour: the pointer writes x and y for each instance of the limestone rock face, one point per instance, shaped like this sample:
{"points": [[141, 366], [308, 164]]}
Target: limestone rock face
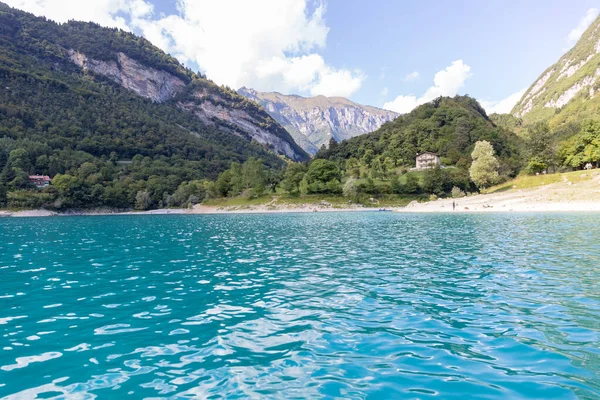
{"points": [[566, 91], [209, 107], [313, 121], [215, 106], [158, 86]]}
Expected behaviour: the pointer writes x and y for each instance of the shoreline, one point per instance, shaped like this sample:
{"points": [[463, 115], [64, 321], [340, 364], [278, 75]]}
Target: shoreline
{"points": [[198, 210], [434, 207], [565, 196]]}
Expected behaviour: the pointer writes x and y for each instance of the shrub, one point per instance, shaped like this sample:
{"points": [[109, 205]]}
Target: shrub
{"points": [[334, 186], [535, 167], [28, 199], [457, 192]]}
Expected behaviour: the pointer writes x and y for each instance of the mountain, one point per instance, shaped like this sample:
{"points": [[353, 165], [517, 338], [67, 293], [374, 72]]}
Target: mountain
{"points": [[446, 126], [566, 92], [313, 121], [99, 90]]}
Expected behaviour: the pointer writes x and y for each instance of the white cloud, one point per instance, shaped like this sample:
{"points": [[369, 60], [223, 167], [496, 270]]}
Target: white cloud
{"points": [[267, 45], [502, 106], [583, 24], [103, 12], [447, 82], [412, 76], [264, 44], [402, 104], [331, 82]]}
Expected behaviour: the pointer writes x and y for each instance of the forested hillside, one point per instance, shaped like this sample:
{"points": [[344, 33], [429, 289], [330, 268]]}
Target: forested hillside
{"points": [[447, 126], [75, 94]]}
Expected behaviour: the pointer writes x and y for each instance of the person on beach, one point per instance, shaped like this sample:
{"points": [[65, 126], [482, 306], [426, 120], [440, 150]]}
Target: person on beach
{"points": [[453, 206]]}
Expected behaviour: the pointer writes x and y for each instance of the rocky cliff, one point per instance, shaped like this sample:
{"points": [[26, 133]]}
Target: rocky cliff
{"points": [[213, 105], [313, 121], [158, 86], [568, 90]]}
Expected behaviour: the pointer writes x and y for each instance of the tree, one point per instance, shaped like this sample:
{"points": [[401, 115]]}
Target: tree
{"points": [[484, 169], [86, 169], [334, 187], [19, 158], [3, 194], [332, 145], [351, 163], [68, 189], [259, 188], [350, 189], [223, 184], [411, 184], [292, 177], [322, 171], [388, 166], [237, 180], [462, 134], [376, 169], [435, 181], [584, 147], [395, 185], [21, 180], [370, 186], [254, 175], [304, 187], [539, 146], [368, 157], [143, 201]]}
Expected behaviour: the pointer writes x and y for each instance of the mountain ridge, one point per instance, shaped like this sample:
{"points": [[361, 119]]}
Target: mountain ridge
{"points": [[567, 91], [136, 65], [313, 121]]}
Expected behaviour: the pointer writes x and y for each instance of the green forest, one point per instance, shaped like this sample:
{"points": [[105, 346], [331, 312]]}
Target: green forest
{"points": [[57, 120]]}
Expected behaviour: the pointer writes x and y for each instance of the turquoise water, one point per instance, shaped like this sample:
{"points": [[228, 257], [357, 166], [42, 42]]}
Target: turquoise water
{"points": [[348, 305]]}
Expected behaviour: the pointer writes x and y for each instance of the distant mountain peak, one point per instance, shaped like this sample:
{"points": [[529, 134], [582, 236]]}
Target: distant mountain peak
{"points": [[313, 121]]}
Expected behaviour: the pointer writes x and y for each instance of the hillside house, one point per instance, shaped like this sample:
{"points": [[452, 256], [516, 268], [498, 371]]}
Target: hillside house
{"points": [[39, 181], [427, 160]]}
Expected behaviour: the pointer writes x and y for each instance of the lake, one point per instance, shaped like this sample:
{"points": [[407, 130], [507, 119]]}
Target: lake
{"points": [[318, 305]]}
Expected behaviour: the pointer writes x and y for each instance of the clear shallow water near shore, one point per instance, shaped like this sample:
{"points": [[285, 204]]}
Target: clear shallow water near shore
{"points": [[350, 305]]}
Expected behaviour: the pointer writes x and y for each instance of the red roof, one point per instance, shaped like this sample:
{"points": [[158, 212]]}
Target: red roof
{"points": [[427, 152], [39, 178]]}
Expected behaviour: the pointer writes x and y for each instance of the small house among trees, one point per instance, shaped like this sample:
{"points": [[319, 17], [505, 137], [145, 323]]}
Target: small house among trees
{"points": [[39, 181], [427, 160]]}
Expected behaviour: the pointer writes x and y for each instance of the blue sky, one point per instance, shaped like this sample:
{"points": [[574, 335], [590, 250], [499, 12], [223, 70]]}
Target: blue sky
{"points": [[381, 53], [507, 44]]}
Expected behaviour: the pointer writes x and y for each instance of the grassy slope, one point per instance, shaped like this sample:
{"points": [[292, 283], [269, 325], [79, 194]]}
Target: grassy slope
{"points": [[335, 201], [536, 181]]}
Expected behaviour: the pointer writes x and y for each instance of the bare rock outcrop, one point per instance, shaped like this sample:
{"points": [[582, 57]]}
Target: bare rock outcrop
{"points": [[158, 86]]}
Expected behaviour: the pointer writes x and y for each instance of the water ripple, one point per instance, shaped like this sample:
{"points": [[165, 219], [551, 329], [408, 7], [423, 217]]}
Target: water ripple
{"points": [[352, 305]]}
